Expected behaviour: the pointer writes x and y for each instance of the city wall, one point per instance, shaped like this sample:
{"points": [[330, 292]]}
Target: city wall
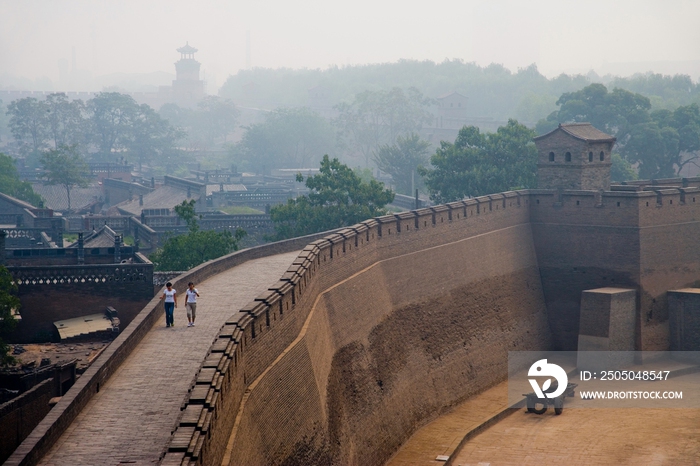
{"points": [[377, 328], [382, 326], [371, 332]]}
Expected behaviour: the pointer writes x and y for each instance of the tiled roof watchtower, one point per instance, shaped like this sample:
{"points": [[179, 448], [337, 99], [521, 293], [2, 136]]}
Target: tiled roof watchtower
{"points": [[574, 156]]}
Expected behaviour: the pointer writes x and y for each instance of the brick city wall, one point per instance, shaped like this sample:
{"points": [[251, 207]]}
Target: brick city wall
{"points": [[366, 340], [20, 415], [323, 368], [52, 293]]}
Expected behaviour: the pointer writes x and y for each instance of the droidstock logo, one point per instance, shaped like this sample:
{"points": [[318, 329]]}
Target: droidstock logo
{"points": [[542, 368]]}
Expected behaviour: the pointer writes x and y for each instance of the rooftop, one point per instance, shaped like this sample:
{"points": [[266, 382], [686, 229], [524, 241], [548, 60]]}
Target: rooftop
{"points": [[584, 131], [165, 197]]}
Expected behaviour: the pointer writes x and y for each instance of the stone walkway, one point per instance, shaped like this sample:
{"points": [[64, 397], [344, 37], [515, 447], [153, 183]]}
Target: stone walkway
{"points": [[130, 420], [443, 435]]}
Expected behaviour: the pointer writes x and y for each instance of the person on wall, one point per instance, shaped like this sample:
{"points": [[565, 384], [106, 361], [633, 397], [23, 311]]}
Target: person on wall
{"points": [[170, 303], [191, 296]]}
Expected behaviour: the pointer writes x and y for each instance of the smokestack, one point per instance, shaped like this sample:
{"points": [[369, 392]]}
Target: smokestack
{"points": [[141, 199]]}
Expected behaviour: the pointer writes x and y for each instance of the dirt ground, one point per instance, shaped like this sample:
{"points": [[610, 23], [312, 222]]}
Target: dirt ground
{"points": [[85, 352]]}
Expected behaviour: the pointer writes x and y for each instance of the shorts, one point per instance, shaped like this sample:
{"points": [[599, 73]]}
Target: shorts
{"points": [[191, 310]]}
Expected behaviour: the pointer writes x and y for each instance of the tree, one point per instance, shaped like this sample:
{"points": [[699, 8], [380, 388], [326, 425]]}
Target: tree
{"points": [[621, 169], [112, 119], [216, 117], [338, 198], [28, 124], [65, 167], [8, 304], [658, 143], [478, 164], [196, 247], [402, 159], [378, 117], [288, 138], [65, 120], [11, 184], [152, 137]]}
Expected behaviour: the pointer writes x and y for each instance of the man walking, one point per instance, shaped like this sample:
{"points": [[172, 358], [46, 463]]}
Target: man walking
{"points": [[170, 303], [191, 296]]}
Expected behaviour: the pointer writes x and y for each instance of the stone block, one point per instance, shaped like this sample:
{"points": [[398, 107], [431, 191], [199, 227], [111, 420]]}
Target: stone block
{"points": [[607, 319]]}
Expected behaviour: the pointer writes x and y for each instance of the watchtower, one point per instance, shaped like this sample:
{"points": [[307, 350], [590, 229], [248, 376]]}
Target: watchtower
{"points": [[188, 89], [574, 156]]}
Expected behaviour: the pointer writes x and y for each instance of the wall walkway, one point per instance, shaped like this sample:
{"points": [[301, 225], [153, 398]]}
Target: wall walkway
{"points": [[132, 416]]}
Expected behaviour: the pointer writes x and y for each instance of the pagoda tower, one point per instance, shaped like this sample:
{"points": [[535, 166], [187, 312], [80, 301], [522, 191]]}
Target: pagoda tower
{"points": [[187, 89]]}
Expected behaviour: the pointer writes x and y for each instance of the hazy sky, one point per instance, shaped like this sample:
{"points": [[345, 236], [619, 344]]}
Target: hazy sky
{"points": [[141, 36]]}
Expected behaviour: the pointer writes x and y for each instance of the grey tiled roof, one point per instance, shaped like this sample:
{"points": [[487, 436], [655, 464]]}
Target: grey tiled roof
{"points": [[227, 187], [165, 197], [55, 196], [584, 131]]}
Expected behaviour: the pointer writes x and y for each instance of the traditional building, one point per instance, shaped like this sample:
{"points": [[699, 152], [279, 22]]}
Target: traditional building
{"points": [[187, 89], [574, 156]]}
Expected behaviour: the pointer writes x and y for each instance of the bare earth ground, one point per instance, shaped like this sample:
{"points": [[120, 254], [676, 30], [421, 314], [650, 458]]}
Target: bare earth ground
{"points": [[85, 352], [580, 436]]}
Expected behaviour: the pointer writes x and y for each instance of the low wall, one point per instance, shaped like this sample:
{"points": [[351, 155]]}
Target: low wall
{"points": [[371, 332], [42, 438], [19, 416]]}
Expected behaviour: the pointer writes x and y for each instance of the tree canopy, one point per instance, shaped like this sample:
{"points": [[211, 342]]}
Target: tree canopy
{"points": [[338, 198], [11, 184], [66, 167], [374, 118], [477, 164], [196, 247], [288, 138], [108, 124], [659, 143], [402, 159]]}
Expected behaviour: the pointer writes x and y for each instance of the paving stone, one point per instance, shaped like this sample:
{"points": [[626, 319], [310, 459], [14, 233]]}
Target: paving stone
{"points": [[132, 416]]}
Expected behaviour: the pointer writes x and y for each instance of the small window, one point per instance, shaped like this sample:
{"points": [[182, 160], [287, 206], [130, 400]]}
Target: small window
{"points": [[578, 202], [618, 204], [602, 156], [568, 157], [551, 156], [590, 156]]}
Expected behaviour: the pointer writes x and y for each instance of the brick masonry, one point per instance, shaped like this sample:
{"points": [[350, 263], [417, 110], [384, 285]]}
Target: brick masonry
{"points": [[378, 327]]}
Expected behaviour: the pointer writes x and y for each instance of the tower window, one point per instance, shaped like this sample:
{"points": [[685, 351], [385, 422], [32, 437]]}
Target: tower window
{"points": [[551, 156], [590, 156], [602, 156], [568, 157]]}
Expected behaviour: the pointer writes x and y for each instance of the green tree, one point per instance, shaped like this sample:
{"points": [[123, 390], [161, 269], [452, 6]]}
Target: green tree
{"points": [[621, 169], [66, 167], [65, 120], [11, 184], [338, 198], [28, 124], [288, 138], [402, 159], [111, 119], [216, 118], [374, 118], [196, 247], [478, 164], [8, 304], [151, 138]]}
